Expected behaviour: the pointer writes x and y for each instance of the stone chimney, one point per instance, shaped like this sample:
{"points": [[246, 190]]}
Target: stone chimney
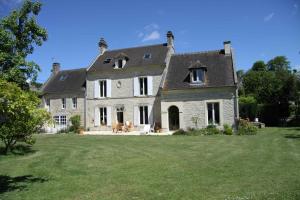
{"points": [[227, 47], [55, 68], [170, 39], [102, 46]]}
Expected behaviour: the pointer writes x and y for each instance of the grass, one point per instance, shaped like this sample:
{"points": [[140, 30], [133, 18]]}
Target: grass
{"points": [[263, 166]]}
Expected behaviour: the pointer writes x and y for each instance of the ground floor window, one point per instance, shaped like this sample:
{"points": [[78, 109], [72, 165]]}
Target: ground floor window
{"points": [[60, 120], [103, 116], [213, 113], [144, 115], [120, 114]]}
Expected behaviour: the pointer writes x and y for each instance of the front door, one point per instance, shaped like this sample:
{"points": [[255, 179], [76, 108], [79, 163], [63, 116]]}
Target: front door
{"points": [[120, 115], [173, 118]]}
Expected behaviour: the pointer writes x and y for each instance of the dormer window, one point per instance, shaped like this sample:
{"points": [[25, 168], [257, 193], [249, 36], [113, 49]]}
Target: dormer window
{"points": [[197, 76], [147, 56], [120, 64]]}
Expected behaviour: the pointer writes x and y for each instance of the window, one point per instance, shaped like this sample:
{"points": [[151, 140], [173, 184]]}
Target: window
{"points": [[103, 92], [74, 102], [147, 55], [144, 115], [197, 76], [63, 103], [63, 77], [60, 120], [213, 113], [103, 116], [48, 104], [143, 86], [107, 60], [120, 63], [120, 114]]}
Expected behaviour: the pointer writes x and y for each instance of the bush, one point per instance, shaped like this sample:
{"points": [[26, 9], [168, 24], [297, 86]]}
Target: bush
{"points": [[180, 132], [227, 130], [75, 127], [248, 107], [246, 128]]}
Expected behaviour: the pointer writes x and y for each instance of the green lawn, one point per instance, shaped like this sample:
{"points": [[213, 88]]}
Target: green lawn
{"points": [[264, 166]]}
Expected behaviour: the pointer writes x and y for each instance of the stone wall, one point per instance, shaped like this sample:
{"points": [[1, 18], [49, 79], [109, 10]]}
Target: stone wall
{"points": [[193, 103]]}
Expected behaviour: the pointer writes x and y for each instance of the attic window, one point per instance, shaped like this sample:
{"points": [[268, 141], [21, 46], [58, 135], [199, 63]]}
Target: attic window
{"points": [[63, 77], [197, 76], [147, 55], [107, 60]]}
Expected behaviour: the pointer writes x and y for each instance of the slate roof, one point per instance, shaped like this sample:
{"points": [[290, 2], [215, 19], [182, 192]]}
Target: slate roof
{"points": [[219, 70], [136, 64], [66, 81]]}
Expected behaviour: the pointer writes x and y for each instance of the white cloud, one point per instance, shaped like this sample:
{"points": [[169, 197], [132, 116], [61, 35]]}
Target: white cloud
{"points": [[140, 34], [269, 17], [151, 27], [154, 35]]}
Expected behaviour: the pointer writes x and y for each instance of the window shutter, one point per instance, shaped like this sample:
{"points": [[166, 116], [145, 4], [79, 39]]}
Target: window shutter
{"points": [[136, 115], [150, 114], [108, 85], [150, 85], [108, 110], [96, 89], [136, 86], [97, 116]]}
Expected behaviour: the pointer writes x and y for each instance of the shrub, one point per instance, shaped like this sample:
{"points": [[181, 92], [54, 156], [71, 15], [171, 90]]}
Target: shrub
{"points": [[227, 130], [180, 132], [210, 130], [75, 120], [246, 128], [248, 107]]}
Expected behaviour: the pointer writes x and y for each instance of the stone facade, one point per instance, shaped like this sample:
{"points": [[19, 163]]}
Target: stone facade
{"points": [[193, 104]]}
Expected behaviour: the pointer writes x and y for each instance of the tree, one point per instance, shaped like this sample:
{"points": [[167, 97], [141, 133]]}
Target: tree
{"points": [[259, 66], [19, 33], [20, 115], [279, 63]]}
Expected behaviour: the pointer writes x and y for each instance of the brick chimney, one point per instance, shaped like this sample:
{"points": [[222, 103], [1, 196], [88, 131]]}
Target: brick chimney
{"points": [[227, 47], [170, 39], [102, 46], [55, 68]]}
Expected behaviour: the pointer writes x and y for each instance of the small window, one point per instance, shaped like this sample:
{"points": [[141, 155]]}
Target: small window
{"points": [[213, 113], [120, 63], [143, 86], [197, 76], [103, 88], [144, 115], [103, 116], [60, 120], [74, 102], [107, 60], [63, 103], [63, 77], [147, 55], [56, 120]]}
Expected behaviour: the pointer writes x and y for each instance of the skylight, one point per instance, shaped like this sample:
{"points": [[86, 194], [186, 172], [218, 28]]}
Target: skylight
{"points": [[63, 77], [107, 60], [147, 55]]}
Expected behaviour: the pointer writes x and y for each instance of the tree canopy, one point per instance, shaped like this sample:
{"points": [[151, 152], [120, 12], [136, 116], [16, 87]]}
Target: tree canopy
{"points": [[19, 34]]}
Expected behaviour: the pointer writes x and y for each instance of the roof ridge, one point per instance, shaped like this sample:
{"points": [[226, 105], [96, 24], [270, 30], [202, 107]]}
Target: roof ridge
{"points": [[196, 52], [82, 68], [136, 47]]}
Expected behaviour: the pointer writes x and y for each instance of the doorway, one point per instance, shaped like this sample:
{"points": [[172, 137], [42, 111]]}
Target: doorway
{"points": [[173, 112]]}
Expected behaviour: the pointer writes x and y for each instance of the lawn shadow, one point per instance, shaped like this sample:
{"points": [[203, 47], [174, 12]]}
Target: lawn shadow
{"points": [[19, 149], [8, 184], [292, 136]]}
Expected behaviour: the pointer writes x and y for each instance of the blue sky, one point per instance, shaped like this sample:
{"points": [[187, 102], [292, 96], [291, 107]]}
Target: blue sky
{"points": [[258, 30]]}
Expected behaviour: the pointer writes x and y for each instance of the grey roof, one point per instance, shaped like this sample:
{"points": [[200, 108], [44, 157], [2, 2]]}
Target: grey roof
{"points": [[218, 70], [135, 64], [66, 81]]}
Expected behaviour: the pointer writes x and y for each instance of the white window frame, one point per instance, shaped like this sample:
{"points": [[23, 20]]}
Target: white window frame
{"points": [[198, 79], [143, 90], [74, 102], [63, 103], [60, 120], [143, 117], [220, 112]]}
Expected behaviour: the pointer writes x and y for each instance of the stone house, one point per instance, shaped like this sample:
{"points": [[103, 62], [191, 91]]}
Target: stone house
{"points": [[148, 85]]}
